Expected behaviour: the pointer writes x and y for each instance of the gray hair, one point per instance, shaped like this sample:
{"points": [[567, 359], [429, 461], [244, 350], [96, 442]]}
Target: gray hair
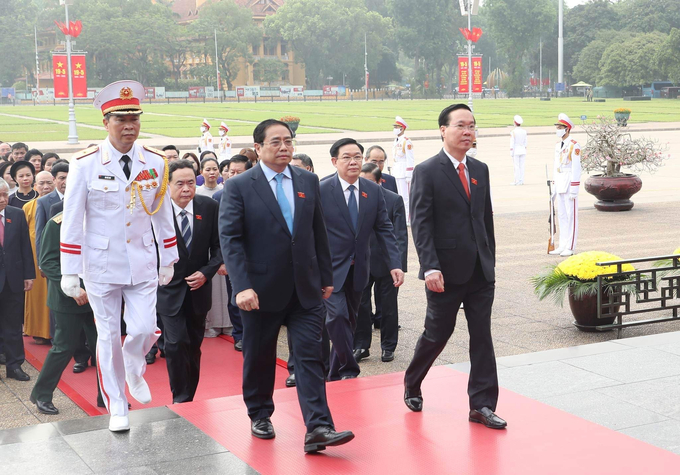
{"points": [[305, 159], [374, 147], [4, 184]]}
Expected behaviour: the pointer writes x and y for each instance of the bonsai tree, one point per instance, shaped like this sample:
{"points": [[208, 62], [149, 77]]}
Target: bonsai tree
{"points": [[609, 148]]}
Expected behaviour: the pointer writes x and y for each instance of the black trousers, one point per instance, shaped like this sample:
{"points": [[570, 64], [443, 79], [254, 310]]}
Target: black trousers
{"points": [[182, 347], [389, 323], [11, 321], [234, 315], [325, 353], [341, 321], [260, 335], [477, 296]]}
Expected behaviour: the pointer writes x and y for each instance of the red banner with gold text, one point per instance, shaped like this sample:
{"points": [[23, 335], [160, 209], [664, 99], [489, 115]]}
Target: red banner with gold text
{"points": [[80, 76], [463, 75], [477, 74], [60, 73]]}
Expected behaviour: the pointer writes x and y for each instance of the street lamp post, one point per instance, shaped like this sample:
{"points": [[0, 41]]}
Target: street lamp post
{"points": [[72, 129], [469, 18], [560, 45]]}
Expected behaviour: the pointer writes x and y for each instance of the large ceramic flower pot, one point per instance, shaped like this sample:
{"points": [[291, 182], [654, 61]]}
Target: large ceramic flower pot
{"points": [[613, 193], [622, 118], [584, 311], [293, 126]]}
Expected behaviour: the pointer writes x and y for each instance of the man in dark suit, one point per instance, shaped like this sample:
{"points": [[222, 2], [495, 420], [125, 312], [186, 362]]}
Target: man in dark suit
{"points": [[275, 247], [59, 172], [452, 224], [376, 154], [17, 273], [186, 300], [380, 276], [354, 209]]}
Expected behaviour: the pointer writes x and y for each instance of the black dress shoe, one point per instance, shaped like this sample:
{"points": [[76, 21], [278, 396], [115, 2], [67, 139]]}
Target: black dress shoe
{"points": [[262, 428], [324, 436], [413, 402], [18, 374], [290, 381], [79, 367], [150, 358], [45, 407], [3, 359], [387, 356], [487, 417], [238, 346], [360, 354]]}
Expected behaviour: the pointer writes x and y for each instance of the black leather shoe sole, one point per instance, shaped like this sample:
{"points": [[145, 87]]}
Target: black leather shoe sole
{"points": [[340, 439], [361, 354], [290, 381], [79, 367]]}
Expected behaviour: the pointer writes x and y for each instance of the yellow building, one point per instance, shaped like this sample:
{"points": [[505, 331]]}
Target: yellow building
{"points": [[188, 10]]}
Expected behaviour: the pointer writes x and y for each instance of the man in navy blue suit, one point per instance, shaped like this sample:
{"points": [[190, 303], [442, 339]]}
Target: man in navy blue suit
{"points": [[354, 209], [275, 247], [376, 154]]}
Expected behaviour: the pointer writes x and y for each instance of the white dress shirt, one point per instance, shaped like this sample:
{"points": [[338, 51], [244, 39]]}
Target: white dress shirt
{"points": [[2, 217], [60, 195], [190, 215], [287, 184], [345, 189]]}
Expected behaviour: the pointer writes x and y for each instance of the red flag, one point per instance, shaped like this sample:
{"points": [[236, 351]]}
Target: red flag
{"points": [[79, 75], [62, 26], [477, 74], [476, 34], [466, 33]]}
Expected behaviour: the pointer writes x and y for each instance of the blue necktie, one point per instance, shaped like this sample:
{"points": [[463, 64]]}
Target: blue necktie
{"points": [[283, 202], [186, 230], [352, 205]]}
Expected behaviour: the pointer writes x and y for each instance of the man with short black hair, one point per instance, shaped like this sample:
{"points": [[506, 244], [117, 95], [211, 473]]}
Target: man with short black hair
{"points": [[19, 150], [302, 160], [59, 172], [171, 153]]}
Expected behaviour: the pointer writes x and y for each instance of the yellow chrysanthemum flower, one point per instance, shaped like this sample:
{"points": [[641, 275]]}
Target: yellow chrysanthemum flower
{"points": [[677, 251], [582, 266]]}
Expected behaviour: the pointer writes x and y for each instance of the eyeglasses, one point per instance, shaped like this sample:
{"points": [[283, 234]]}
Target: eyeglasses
{"points": [[351, 159], [462, 127], [289, 143]]}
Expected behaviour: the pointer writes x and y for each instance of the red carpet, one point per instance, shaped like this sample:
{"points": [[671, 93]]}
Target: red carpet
{"points": [[221, 376], [390, 439]]}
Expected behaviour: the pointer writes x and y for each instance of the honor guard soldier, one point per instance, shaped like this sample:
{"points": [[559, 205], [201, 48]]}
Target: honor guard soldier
{"points": [[224, 147], [404, 161], [518, 149], [567, 179], [116, 192], [205, 143]]}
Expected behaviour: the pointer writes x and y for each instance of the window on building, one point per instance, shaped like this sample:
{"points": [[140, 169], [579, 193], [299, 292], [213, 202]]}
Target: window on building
{"points": [[284, 47], [270, 47]]}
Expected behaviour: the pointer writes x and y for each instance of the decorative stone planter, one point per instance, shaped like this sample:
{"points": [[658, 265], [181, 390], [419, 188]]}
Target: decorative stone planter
{"points": [[613, 193], [584, 311], [293, 126], [622, 118]]}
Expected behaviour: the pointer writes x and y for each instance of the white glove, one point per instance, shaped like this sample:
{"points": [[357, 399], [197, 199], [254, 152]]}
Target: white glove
{"points": [[165, 275], [70, 285], [572, 197]]}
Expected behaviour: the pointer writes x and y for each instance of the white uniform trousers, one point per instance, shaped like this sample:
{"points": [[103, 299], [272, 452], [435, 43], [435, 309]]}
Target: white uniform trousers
{"points": [[567, 215], [403, 188], [114, 359], [519, 169]]}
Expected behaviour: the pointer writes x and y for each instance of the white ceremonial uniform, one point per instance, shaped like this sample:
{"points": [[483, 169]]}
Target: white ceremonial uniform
{"points": [[206, 142], [111, 244], [567, 177], [404, 161], [224, 148], [518, 150]]}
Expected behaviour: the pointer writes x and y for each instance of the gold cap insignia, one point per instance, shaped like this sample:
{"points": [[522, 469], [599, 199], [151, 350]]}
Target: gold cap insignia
{"points": [[126, 93]]}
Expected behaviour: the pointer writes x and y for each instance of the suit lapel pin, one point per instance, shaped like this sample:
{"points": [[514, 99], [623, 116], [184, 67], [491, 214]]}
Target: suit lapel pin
{"points": [[301, 195], [364, 194], [474, 182], [199, 217], [9, 221]]}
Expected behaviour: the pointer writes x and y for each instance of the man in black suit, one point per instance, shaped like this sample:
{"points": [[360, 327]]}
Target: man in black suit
{"points": [[354, 209], [59, 172], [380, 276], [183, 304], [376, 154], [452, 224], [17, 273], [275, 247]]}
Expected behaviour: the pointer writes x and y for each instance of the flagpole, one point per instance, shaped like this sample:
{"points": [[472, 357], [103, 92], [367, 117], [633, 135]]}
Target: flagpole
{"points": [[217, 67], [37, 66], [469, 15], [72, 130]]}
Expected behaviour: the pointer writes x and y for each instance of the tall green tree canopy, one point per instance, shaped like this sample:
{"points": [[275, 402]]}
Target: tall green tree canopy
{"points": [[631, 62], [668, 57], [16, 38]]}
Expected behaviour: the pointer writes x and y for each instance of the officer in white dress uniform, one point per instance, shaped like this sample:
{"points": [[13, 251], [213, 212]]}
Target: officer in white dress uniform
{"points": [[518, 149], [403, 162], [116, 191], [224, 147], [567, 179], [206, 140]]}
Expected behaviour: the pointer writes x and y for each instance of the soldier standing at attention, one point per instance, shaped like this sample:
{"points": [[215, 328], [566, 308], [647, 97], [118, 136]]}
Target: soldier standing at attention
{"points": [[518, 149], [402, 156], [567, 179], [205, 143], [224, 147], [116, 191]]}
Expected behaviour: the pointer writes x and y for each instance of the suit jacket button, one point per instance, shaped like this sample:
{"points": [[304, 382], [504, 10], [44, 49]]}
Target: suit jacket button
{"points": [[293, 243], [128, 224]]}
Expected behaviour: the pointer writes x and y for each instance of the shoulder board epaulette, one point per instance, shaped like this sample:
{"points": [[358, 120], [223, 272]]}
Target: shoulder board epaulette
{"points": [[58, 218], [154, 150], [86, 152]]}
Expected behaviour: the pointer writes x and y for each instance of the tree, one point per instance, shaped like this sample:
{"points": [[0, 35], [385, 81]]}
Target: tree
{"points": [[631, 63], [236, 32], [583, 23], [16, 39], [668, 57], [328, 37], [587, 68], [650, 15], [269, 70]]}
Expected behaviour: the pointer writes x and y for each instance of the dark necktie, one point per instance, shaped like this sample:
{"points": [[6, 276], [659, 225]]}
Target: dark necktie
{"points": [[352, 206], [126, 165], [463, 179], [186, 230]]}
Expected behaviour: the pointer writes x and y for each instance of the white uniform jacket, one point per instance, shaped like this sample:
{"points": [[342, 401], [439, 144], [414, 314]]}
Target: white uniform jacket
{"points": [[224, 148], [101, 239], [518, 142], [567, 167], [206, 143], [402, 155]]}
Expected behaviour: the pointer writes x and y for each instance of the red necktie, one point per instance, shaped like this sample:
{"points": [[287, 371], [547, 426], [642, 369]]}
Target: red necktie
{"points": [[463, 179], [2, 232]]}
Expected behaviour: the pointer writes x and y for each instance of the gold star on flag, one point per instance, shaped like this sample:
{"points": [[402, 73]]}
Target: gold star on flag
{"points": [[78, 65], [59, 65]]}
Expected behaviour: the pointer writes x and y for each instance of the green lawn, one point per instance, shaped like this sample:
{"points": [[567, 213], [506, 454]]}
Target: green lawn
{"points": [[183, 120]]}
